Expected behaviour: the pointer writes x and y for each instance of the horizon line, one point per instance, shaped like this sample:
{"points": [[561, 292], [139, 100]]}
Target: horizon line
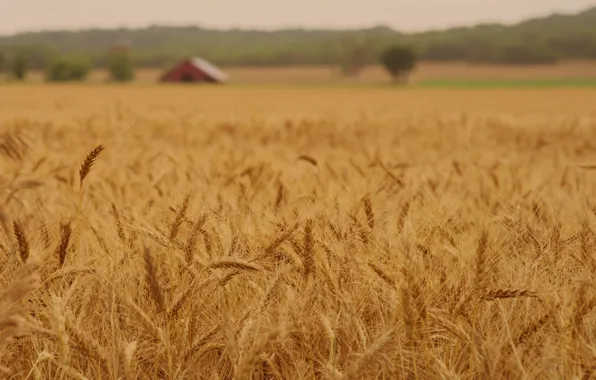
{"points": [[288, 27]]}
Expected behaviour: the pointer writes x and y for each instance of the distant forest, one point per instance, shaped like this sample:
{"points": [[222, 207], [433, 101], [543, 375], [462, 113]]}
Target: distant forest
{"points": [[540, 40]]}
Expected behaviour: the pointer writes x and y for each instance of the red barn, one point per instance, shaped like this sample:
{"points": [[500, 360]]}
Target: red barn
{"points": [[195, 70]]}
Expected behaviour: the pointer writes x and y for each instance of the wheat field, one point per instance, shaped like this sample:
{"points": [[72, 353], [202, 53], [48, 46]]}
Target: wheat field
{"points": [[220, 233]]}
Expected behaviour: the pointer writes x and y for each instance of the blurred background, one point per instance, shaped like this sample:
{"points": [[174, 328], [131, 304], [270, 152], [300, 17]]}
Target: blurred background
{"points": [[423, 42]]}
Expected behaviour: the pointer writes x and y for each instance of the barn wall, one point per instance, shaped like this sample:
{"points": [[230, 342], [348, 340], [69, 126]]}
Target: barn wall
{"points": [[175, 75]]}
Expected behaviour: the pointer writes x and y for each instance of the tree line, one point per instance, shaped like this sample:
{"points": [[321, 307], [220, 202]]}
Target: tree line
{"points": [[71, 67], [399, 61], [541, 40]]}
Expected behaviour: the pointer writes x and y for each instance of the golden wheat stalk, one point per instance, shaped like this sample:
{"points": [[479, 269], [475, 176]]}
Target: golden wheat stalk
{"points": [[125, 361], [88, 163], [228, 277], [45, 236], [118, 222], [285, 235], [61, 273], [508, 293], [153, 281], [65, 236], [416, 291], [200, 342], [308, 248], [13, 145], [86, 344], [386, 277], [177, 302], [13, 315], [191, 243], [481, 261], [59, 325], [234, 264], [150, 327], [249, 358], [280, 195], [369, 211], [409, 317], [374, 356], [309, 159], [179, 219], [532, 329], [23, 245]]}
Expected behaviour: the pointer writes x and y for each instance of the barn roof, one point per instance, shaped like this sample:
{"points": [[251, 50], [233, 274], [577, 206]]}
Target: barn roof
{"points": [[209, 69]]}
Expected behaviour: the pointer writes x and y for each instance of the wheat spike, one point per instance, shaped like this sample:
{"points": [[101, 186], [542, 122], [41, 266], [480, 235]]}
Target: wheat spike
{"points": [[125, 361], [508, 293], [150, 326], [23, 245], [65, 236], [382, 274], [481, 260], [308, 248], [191, 242], [87, 344], [372, 357], [45, 235], [369, 211], [180, 215], [309, 159], [59, 322], [280, 195], [532, 329], [88, 163], [177, 302], [248, 358], [13, 314], [285, 235], [234, 264], [152, 280], [118, 221], [13, 145]]}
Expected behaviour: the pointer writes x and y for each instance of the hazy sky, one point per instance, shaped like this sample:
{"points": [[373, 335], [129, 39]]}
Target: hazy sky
{"points": [[406, 15]]}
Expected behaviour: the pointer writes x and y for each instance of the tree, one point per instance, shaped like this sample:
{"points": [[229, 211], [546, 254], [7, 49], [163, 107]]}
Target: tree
{"points": [[38, 55], [64, 69], [399, 61], [19, 66], [120, 66]]}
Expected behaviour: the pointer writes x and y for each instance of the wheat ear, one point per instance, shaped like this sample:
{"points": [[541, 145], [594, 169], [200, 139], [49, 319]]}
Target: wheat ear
{"points": [[125, 363], [65, 235], [180, 215], [19, 234], [88, 163], [508, 293], [152, 280]]}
